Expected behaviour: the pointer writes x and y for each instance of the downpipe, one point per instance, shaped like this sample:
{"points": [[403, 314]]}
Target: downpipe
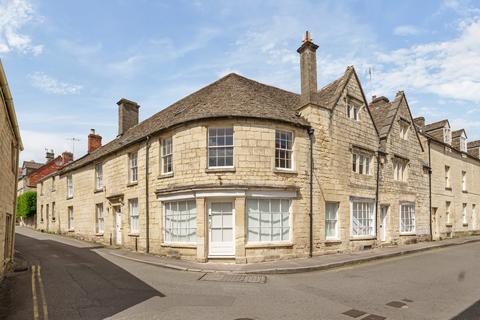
{"points": [[147, 205], [310, 136]]}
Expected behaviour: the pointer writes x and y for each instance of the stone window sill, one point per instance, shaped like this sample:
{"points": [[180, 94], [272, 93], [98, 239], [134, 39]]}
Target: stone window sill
{"points": [[134, 235], [464, 191], [408, 234], [69, 198], [448, 225], [287, 171], [178, 245], [71, 230], [216, 170], [98, 190], [448, 188], [465, 224], [268, 245], [365, 238], [100, 234], [333, 241], [132, 184], [165, 175]]}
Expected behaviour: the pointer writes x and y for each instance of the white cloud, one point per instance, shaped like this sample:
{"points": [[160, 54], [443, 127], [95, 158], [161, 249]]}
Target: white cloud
{"points": [[51, 85], [14, 15], [447, 69], [406, 30]]}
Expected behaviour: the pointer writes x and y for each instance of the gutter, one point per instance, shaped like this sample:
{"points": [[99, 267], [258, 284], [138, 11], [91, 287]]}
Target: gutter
{"points": [[430, 186], [310, 136], [147, 209]]}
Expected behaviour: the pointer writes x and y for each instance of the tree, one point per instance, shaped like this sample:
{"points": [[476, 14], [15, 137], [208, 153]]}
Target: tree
{"points": [[27, 204]]}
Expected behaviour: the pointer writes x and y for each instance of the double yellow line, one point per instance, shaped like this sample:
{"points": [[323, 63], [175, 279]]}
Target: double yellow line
{"points": [[37, 275]]}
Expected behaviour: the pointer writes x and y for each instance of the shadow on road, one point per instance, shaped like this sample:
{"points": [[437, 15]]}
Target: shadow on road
{"points": [[472, 312], [79, 284]]}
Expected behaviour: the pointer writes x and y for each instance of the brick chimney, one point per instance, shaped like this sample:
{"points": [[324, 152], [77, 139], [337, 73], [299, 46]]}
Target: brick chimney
{"points": [[49, 155], [67, 157], [127, 115], [94, 141], [308, 68]]}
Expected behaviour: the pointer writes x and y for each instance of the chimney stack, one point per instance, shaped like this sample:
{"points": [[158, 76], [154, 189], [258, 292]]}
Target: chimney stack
{"points": [[420, 122], [127, 115], [49, 155], [308, 68], [94, 141], [67, 157]]}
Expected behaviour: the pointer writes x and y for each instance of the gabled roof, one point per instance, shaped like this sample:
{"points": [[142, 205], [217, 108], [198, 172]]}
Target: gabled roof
{"points": [[32, 164], [435, 125], [458, 133], [230, 96], [473, 144], [383, 114], [329, 95]]}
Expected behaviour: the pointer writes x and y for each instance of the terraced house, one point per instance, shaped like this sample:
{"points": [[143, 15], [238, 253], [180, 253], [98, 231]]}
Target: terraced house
{"points": [[247, 172]]}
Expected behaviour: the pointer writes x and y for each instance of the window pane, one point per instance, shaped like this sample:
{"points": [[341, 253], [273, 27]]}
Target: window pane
{"points": [[268, 220], [180, 221]]}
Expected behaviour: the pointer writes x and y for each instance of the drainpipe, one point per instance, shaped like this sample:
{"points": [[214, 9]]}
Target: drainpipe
{"points": [[430, 187], [376, 195], [147, 208], [310, 136]]}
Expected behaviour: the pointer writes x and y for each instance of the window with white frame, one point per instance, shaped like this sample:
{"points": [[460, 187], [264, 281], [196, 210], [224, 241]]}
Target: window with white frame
{"points": [[464, 214], [70, 186], [100, 218], [220, 147], [447, 135], [353, 112], [99, 176], [167, 155], [283, 149], [134, 216], [400, 169], [464, 181], [474, 217], [268, 220], [407, 218], [447, 177], [363, 217], [361, 163], [70, 218], [133, 166], [331, 221], [404, 129], [180, 221], [463, 144], [448, 212]]}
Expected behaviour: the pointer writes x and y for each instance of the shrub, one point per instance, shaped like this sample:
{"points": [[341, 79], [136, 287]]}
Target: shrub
{"points": [[27, 204]]}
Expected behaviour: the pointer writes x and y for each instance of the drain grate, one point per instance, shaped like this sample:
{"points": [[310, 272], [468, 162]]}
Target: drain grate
{"points": [[225, 277], [397, 304], [354, 313], [374, 317]]}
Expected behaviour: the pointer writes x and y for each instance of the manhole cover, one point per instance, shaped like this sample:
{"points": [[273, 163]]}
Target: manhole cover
{"points": [[224, 277], [354, 313]]}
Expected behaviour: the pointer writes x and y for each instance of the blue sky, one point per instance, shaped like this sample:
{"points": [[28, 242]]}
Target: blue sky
{"points": [[69, 62]]}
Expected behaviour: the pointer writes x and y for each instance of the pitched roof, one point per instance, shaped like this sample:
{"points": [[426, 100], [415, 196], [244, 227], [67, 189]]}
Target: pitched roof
{"points": [[328, 96], [458, 133], [32, 164], [230, 96], [435, 125], [473, 144], [383, 114]]}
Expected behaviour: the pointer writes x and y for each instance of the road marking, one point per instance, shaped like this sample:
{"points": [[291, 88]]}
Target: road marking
{"points": [[42, 293], [34, 295]]}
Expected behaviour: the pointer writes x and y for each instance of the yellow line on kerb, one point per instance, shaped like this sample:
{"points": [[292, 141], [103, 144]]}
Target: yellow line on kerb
{"points": [[42, 292], [34, 295]]}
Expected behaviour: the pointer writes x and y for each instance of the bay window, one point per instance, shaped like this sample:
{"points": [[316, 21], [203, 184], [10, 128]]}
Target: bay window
{"points": [[268, 220], [180, 221]]}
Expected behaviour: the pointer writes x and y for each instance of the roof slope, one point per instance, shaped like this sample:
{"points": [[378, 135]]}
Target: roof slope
{"points": [[435, 125], [473, 144], [328, 96], [458, 133], [230, 96], [383, 114]]}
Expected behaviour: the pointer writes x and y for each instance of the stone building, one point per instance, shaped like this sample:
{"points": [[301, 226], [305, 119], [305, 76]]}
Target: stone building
{"points": [[10, 146], [27, 168], [247, 172], [455, 191]]}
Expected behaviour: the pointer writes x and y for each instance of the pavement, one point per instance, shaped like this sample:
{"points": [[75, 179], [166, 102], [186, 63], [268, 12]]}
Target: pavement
{"points": [[70, 279], [322, 262]]}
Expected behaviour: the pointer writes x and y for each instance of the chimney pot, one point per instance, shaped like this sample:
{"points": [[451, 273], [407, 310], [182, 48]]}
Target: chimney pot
{"points": [[419, 121], [94, 141], [127, 115], [49, 155], [67, 157]]}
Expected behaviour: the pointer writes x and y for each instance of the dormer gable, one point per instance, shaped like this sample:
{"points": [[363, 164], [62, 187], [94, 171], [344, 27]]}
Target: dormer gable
{"points": [[440, 131], [473, 148], [459, 140]]}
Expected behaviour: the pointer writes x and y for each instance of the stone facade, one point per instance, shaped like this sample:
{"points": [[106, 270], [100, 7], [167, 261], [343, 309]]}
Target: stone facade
{"points": [[10, 145], [331, 130]]}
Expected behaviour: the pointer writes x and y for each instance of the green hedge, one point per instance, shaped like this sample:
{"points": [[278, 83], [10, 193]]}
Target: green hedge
{"points": [[27, 204]]}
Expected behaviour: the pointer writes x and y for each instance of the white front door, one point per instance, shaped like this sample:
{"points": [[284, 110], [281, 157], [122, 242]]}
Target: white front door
{"points": [[118, 225], [383, 223], [221, 222]]}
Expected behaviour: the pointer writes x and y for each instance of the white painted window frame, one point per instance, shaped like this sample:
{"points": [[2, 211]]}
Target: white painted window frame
{"points": [[70, 190], [290, 151], [271, 242], [372, 203], [100, 217], [217, 147], [133, 167], [166, 155], [464, 213], [363, 161], [134, 215], [164, 222], [71, 218], [336, 236], [99, 176], [464, 180], [401, 218]]}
